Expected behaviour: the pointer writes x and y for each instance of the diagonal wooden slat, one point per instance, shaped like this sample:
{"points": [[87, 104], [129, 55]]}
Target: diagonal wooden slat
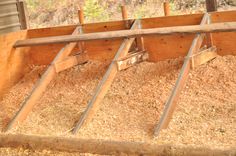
{"points": [[182, 79], [41, 85], [106, 82]]}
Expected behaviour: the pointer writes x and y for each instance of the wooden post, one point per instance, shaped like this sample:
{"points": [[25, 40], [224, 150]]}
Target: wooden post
{"points": [[124, 12], [81, 45], [105, 83], [166, 5], [21, 8], [81, 15], [180, 83], [211, 5]]}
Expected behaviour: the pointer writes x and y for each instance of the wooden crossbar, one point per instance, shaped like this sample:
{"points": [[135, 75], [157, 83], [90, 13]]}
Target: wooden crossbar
{"points": [[192, 29], [131, 60], [42, 84], [106, 82], [203, 57], [103, 147], [182, 79], [71, 61]]}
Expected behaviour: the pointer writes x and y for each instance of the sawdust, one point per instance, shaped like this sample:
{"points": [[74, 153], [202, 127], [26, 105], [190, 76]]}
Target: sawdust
{"points": [[205, 115]]}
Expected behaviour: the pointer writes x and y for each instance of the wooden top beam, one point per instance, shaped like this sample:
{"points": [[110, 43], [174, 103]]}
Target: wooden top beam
{"points": [[216, 27], [180, 83]]}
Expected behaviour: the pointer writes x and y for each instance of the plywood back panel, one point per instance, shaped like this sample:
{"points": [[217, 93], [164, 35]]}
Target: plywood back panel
{"points": [[169, 46], [99, 50], [13, 62], [225, 42]]}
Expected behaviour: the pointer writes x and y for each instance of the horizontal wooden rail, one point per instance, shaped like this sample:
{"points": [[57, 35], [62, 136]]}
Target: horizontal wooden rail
{"points": [[180, 83], [104, 147], [216, 27]]}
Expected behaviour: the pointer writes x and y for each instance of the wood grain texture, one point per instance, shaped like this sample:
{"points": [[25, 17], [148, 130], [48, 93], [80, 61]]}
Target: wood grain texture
{"points": [[70, 61], [103, 147], [13, 62], [203, 57], [40, 86], [171, 103], [192, 29], [105, 83]]}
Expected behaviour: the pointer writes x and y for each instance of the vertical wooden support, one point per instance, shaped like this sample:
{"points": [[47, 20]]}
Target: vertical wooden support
{"points": [[166, 6], [182, 79], [21, 8], [105, 83], [209, 35], [211, 5], [81, 15], [81, 21], [41, 84], [124, 12]]}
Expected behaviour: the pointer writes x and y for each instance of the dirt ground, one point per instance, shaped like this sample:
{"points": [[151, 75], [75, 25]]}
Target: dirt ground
{"points": [[205, 114]]}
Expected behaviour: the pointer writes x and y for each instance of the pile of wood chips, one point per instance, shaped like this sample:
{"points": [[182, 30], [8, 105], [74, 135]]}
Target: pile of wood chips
{"points": [[205, 115]]}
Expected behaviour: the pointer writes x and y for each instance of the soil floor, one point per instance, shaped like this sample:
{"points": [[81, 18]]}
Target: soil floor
{"points": [[205, 115]]}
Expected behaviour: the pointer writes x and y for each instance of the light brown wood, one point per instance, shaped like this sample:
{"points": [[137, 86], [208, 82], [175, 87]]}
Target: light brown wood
{"points": [[131, 60], [105, 83], [23, 16], [166, 8], [211, 5], [216, 27], [70, 61], [203, 57], [179, 85], [81, 15], [41, 85], [124, 12], [103, 147]]}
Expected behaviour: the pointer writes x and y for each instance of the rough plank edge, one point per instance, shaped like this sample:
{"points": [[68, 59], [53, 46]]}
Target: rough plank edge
{"points": [[182, 78], [191, 29], [131, 60], [203, 57], [70, 61], [104, 147]]}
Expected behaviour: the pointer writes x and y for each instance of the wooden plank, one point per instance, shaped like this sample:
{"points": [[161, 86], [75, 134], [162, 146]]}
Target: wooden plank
{"points": [[203, 57], [131, 60], [166, 6], [102, 147], [179, 85], [216, 27], [70, 61], [105, 83], [23, 17], [41, 85], [211, 5]]}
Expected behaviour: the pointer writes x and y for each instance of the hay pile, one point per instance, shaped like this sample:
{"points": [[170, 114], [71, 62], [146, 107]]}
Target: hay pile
{"points": [[205, 114]]}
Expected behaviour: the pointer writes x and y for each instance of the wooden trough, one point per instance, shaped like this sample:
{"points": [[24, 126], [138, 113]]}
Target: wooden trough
{"points": [[197, 37]]}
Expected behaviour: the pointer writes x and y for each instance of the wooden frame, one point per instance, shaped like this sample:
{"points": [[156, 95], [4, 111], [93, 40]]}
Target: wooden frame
{"points": [[182, 79], [103, 147], [193, 29], [106, 81], [41, 84]]}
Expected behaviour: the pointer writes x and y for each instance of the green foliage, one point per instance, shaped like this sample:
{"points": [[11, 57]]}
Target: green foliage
{"points": [[93, 11], [141, 12]]}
